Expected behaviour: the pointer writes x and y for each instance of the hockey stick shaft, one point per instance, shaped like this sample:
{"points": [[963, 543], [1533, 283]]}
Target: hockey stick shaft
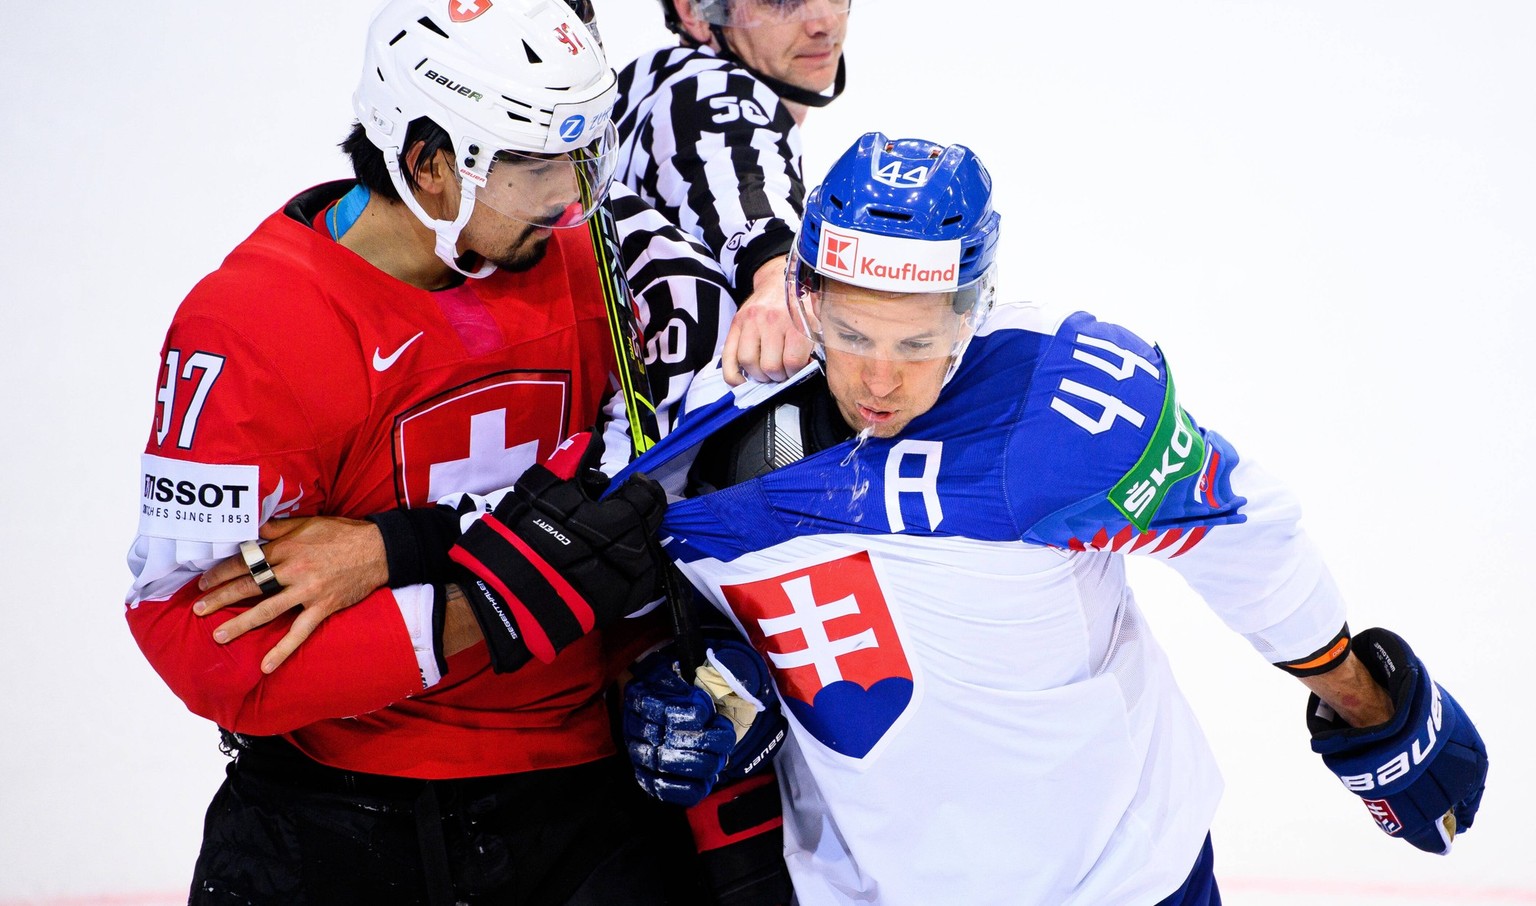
{"points": [[641, 412], [622, 330]]}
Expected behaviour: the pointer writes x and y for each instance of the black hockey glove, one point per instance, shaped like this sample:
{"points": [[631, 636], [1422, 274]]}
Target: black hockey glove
{"points": [[550, 564], [1421, 773], [417, 540]]}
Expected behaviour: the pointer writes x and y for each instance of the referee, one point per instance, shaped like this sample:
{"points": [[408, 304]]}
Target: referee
{"points": [[709, 135]]}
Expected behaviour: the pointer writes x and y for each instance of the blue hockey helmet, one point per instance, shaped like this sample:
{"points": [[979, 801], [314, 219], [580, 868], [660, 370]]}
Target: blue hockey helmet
{"points": [[904, 217]]}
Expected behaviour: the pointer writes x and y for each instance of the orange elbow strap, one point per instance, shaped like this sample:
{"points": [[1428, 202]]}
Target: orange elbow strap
{"points": [[1323, 659]]}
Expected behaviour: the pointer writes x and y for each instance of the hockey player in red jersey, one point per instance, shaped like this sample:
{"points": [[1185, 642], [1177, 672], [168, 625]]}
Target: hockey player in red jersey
{"points": [[434, 326]]}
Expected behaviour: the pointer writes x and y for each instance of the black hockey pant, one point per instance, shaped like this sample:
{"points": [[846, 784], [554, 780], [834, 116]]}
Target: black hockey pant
{"points": [[286, 831]]}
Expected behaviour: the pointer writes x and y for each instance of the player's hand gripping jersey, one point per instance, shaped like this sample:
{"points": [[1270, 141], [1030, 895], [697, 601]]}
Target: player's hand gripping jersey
{"points": [[299, 380], [946, 616], [715, 151]]}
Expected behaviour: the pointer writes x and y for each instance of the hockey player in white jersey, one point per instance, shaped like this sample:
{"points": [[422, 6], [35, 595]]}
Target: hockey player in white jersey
{"points": [[925, 539], [709, 134]]}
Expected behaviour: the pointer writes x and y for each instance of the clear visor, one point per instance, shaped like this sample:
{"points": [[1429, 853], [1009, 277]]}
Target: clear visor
{"points": [[550, 190], [903, 327], [755, 13], [588, 16]]}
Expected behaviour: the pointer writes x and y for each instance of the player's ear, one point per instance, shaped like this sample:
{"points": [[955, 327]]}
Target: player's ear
{"points": [[694, 24], [433, 175]]}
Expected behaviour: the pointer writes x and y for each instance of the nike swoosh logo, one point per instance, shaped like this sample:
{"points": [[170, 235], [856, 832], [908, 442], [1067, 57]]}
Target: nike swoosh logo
{"points": [[383, 363]]}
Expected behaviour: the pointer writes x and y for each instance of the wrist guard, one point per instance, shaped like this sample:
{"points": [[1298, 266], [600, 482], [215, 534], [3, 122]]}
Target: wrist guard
{"points": [[416, 543]]}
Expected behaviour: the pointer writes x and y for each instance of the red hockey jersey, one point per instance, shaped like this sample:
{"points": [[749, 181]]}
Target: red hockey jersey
{"points": [[300, 380]]}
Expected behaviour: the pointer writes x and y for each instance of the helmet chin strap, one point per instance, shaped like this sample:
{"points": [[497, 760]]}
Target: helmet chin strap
{"points": [[446, 231], [784, 90]]}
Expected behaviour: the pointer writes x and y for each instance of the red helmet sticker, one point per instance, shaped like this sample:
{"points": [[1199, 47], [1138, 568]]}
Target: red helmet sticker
{"points": [[464, 10], [839, 253]]}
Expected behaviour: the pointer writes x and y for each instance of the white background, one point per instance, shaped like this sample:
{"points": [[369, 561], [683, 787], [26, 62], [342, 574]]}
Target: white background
{"points": [[1324, 210]]}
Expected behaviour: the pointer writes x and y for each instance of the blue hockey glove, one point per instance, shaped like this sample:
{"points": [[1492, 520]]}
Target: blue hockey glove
{"points": [[760, 733], [1421, 773], [680, 743]]}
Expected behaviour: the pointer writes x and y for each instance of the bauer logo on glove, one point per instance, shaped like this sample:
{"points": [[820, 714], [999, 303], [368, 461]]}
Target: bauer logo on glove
{"points": [[684, 738], [1421, 773]]}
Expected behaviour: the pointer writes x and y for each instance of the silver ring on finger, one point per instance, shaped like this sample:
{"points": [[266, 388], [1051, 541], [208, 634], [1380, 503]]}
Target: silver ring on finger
{"points": [[261, 570]]}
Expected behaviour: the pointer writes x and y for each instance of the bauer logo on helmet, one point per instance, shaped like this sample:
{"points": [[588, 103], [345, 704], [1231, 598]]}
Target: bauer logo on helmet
{"points": [[452, 84]]}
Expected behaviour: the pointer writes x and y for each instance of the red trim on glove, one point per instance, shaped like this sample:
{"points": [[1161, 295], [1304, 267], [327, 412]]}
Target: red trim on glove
{"points": [[572, 598], [534, 635]]}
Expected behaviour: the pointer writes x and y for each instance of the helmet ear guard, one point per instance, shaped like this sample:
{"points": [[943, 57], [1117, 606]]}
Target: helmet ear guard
{"points": [[515, 75]]}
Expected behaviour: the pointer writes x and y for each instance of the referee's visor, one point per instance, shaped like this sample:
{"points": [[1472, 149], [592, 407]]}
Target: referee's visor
{"points": [[757, 13], [551, 190]]}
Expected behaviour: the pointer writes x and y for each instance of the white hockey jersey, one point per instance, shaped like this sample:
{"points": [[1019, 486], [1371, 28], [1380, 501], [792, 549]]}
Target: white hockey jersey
{"points": [[978, 713]]}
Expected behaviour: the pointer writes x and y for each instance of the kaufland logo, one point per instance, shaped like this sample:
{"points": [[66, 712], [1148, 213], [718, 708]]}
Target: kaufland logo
{"points": [[906, 272], [890, 263], [839, 253]]}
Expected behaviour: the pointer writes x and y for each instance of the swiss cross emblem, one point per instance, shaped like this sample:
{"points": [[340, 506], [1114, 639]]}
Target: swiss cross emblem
{"points": [[827, 634], [464, 10], [479, 437], [838, 253], [570, 39]]}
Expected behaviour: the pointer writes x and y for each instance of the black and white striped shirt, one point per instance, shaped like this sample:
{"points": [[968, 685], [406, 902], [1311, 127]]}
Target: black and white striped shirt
{"points": [[715, 151], [683, 303]]}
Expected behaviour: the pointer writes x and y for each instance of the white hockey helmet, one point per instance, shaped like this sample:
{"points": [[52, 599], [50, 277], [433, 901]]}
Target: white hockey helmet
{"points": [[523, 91]]}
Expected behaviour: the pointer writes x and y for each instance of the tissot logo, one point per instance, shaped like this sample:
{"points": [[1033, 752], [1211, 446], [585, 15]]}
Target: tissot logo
{"points": [[464, 10], [193, 501], [838, 253], [210, 496]]}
